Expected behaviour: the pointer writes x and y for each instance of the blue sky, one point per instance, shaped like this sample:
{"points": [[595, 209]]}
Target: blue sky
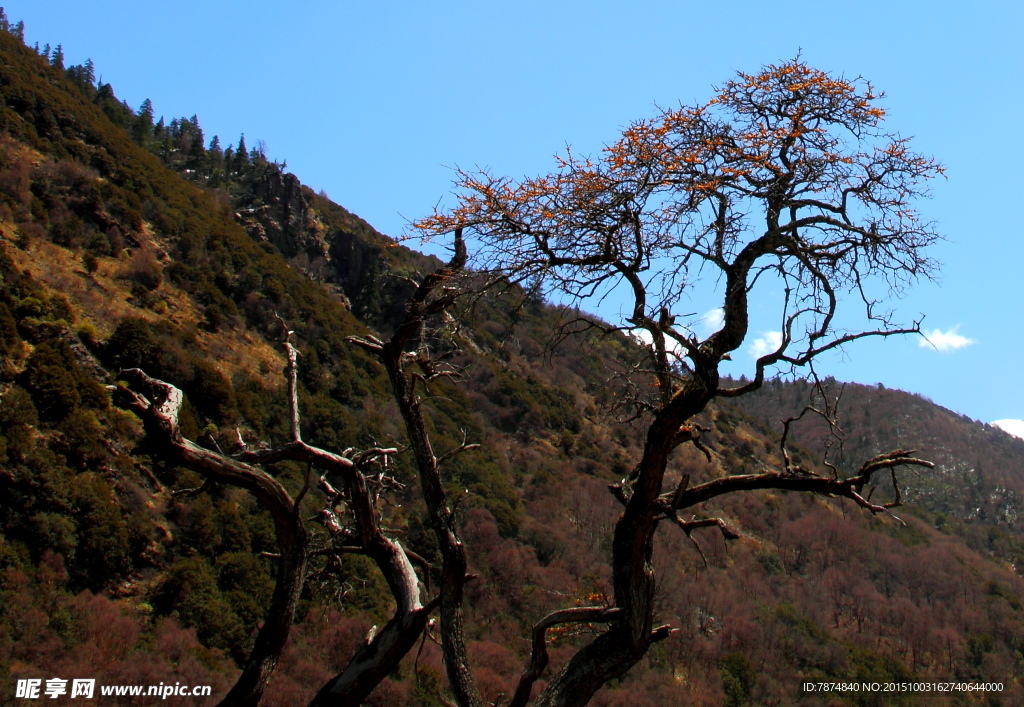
{"points": [[375, 102]]}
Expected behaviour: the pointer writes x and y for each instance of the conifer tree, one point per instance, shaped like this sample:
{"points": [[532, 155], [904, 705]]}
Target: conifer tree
{"points": [[166, 148], [142, 128], [197, 158], [214, 161], [84, 76], [216, 153], [118, 113], [241, 154], [57, 60], [191, 139]]}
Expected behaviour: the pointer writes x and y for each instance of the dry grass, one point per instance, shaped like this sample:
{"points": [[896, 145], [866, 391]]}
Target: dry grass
{"points": [[102, 299]]}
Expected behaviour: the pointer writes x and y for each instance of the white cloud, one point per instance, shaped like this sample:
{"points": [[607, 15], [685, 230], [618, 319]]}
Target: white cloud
{"points": [[948, 340], [712, 321], [767, 343], [1013, 427], [642, 336]]}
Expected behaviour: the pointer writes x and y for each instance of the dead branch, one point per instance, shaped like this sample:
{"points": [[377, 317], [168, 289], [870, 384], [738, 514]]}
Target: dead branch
{"points": [[158, 407], [691, 433], [539, 656], [433, 297], [158, 404], [677, 496], [452, 453], [850, 487], [201, 489], [688, 526]]}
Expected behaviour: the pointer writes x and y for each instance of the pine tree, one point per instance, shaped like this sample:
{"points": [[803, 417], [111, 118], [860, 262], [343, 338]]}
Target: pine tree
{"points": [[166, 148], [191, 136], [241, 154], [196, 154], [109, 104], [215, 156], [57, 60], [142, 128], [84, 76]]}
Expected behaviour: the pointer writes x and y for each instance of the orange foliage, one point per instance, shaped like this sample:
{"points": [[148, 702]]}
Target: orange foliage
{"points": [[788, 132]]}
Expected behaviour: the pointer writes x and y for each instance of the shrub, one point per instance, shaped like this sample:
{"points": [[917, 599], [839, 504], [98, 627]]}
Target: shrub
{"points": [[83, 435], [191, 588], [52, 386], [68, 232], [132, 345], [103, 547], [17, 408], [61, 308], [146, 270], [9, 338], [55, 532], [738, 678], [90, 262], [57, 383]]}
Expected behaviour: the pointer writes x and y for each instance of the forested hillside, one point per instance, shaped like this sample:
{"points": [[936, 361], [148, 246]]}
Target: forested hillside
{"points": [[975, 489], [130, 242]]}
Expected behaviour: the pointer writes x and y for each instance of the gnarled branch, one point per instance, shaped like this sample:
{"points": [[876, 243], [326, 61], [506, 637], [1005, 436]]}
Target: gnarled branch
{"points": [[158, 404], [539, 656]]}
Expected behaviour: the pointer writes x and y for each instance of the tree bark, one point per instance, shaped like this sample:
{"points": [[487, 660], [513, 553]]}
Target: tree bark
{"points": [[426, 302]]}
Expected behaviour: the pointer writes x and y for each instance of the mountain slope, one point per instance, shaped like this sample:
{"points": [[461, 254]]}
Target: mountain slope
{"points": [[975, 491]]}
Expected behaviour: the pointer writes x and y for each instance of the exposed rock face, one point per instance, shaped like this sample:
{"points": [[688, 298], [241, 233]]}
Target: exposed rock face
{"points": [[280, 212], [281, 215], [377, 297]]}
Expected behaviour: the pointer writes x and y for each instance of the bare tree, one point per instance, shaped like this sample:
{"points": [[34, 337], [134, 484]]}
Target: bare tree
{"points": [[411, 366], [784, 179], [356, 529], [351, 485]]}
